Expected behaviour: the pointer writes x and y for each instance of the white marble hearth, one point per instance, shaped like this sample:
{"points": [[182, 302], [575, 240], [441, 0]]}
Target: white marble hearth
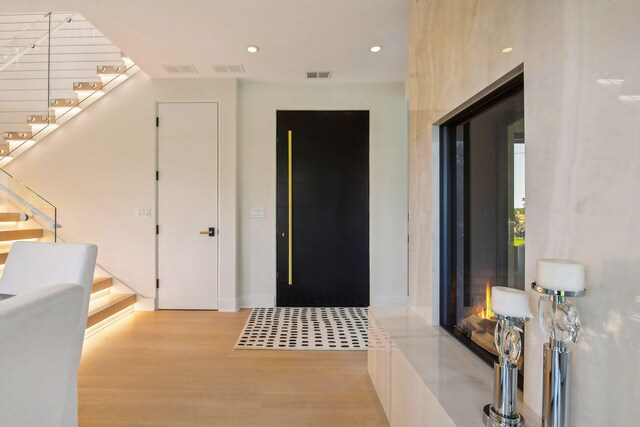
{"points": [[424, 376]]}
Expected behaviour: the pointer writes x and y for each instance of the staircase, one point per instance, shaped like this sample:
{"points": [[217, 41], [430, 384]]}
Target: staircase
{"points": [[105, 306], [52, 66]]}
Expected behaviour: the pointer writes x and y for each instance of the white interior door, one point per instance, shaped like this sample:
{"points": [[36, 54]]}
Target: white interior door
{"points": [[187, 205]]}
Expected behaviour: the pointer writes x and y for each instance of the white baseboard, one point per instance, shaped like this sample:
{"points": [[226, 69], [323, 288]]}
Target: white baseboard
{"points": [[228, 304], [255, 301], [389, 301]]}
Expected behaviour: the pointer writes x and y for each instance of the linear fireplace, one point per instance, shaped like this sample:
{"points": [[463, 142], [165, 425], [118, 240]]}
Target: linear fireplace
{"points": [[482, 212]]}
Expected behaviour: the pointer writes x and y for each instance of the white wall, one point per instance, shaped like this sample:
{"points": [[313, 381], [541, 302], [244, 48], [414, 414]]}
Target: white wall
{"points": [[582, 169], [100, 166], [258, 103]]}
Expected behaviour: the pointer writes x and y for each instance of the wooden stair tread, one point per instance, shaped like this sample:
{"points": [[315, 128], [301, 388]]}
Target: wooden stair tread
{"points": [[3, 256], [11, 217], [107, 306], [100, 283], [17, 135], [64, 102], [27, 233], [87, 86], [106, 302]]}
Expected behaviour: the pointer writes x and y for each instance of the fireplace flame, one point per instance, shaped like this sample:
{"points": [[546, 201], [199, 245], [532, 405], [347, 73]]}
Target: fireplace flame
{"points": [[486, 312]]}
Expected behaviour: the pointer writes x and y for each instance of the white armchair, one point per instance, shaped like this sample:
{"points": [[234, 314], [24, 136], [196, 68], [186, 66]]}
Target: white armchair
{"points": [[37, 355], [36, 265]]}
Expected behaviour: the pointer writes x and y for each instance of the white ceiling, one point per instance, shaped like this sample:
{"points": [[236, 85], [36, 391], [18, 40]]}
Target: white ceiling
{"points": [[294, 36]]}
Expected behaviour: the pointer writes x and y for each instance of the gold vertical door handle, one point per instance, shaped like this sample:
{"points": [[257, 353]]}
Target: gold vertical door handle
{"points": [[290, 236]]}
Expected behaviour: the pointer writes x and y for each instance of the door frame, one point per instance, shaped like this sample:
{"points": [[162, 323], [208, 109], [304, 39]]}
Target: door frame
{"points": [[346, 108], [157, 191]]}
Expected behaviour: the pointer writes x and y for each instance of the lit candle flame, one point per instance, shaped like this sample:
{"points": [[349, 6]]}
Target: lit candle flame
{"points": [[487, 291]]}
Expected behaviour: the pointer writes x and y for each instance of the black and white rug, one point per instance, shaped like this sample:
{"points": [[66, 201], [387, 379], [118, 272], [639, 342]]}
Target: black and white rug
{"points": [[305, 328]]}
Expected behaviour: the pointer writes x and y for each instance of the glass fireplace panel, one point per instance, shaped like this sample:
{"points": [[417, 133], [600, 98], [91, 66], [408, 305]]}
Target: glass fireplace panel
{"points": [[485, 207]]}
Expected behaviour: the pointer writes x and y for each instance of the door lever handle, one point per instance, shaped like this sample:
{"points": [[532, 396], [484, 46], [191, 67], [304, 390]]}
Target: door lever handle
{"points": [[210, 233]]}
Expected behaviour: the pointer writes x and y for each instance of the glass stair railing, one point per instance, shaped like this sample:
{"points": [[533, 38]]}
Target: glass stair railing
{"points": [[24, 214]]}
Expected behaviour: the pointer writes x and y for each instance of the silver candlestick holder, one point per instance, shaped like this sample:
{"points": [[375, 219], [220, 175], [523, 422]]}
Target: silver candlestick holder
{"points": [[560, 321], [508, 340]]}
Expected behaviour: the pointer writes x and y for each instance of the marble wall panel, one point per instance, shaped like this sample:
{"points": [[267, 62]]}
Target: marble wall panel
{"points": [[582, 109]]}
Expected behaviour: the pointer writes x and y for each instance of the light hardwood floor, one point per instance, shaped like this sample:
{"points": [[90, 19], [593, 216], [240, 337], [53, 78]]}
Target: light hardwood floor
{"points": [[179, 368]]}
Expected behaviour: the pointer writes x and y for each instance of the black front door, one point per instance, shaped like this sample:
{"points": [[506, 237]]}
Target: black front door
{"points": [[323, 208]]}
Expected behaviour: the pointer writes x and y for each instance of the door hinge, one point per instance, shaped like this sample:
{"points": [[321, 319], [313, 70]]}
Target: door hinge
{"points": [[157, 122], [157, 283], [157, 229], [157, 175]]}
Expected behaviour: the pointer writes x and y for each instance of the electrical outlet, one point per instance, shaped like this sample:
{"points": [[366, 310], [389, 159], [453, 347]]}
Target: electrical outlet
{"points": [[143, 212], [257, 212]]}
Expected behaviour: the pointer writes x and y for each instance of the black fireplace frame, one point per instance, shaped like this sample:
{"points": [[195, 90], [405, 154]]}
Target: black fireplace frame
{"points": [[507, 86]]}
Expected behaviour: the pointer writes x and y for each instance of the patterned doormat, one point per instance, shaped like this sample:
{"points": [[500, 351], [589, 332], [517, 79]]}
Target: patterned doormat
{"points": [[302, 328]]}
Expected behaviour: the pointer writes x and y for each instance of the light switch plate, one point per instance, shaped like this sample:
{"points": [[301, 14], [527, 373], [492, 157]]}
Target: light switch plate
{"points": [[257, 212]]}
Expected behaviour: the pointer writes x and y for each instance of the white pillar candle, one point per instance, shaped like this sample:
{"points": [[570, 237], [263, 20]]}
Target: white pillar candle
{"points": [[560, 275], [510, 302]]}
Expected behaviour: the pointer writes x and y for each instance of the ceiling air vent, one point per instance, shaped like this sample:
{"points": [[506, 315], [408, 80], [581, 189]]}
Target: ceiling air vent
{"points": [[222, 69], [318, 74], [179, 69]]}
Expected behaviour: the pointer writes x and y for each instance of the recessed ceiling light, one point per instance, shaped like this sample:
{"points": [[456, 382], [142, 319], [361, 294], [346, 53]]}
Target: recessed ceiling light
{"points": [[507, 49], [252, 49], [375, 49]]}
